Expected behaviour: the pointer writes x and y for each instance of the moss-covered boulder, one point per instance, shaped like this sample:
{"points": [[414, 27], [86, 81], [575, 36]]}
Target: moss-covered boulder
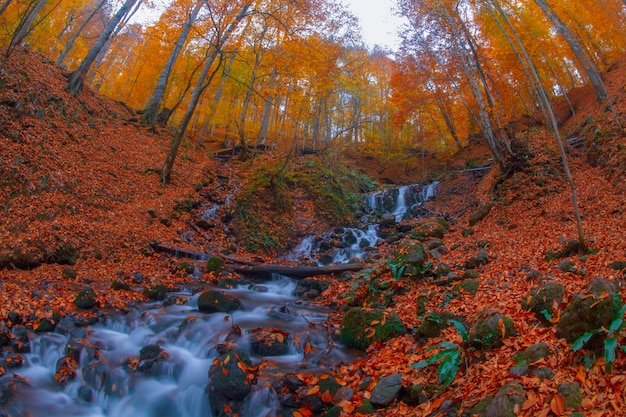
{"points": [[271, 342], [85, 299], [64, 254], [227, 283], [469, 285], [429, 230], [118, 285], [543, 300], [505, 403], [416, 256], [433, 324], [68, 272], [155, 292], [230, 382], [489, 329], [212, 301], [572, 394], [360, 328], [590, 311], [215, 264]]}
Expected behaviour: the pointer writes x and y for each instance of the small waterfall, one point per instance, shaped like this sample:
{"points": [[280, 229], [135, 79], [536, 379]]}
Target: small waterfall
{"points": [[401, 205]]}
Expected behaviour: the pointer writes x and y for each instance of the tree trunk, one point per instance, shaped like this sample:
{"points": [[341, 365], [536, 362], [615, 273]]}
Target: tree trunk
{"points": [[577, 48], [77, 78], [75, 36], [208, 123], [541, 92], [168, 165], [25, 25], [152, 109], [6, 4]]}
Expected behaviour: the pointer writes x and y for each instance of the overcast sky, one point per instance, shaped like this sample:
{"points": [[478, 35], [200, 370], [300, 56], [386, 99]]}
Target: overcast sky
{"points": [[377, 21]]}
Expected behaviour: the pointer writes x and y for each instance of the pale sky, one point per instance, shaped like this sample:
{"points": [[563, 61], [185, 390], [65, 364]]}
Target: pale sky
{"points": [[377, 21]]}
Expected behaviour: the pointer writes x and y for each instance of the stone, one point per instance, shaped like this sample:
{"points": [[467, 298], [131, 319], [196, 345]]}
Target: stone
{"points": [[507, 400], [387, 220], [433, 324], [215, 264], [85, 299], [68, 272], [542, 301], [118, 285], [533, 353], [479, 213], [476, 261], [469, 285], [155, 292], [386, 390], [360, 328], [229, 376], [587, 312], [572, 394], [272, 342], [567, 266], [212, 301], [487, 330]]}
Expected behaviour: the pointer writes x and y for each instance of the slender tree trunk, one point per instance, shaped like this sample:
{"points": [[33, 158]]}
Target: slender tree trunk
{"points": [[152, 109], [25, 25], [582, 243], [448, 120], [208, 124], [6, 4], [77, 78], [168, 165], [75, 36], [577, 48]]}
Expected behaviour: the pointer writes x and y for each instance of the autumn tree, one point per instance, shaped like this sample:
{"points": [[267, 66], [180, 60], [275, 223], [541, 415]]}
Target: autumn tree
{"points": [[25, 23], [77, 77]]}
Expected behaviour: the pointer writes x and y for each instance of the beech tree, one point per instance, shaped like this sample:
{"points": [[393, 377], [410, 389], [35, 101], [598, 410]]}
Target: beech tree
{"points": [[77, 78]]}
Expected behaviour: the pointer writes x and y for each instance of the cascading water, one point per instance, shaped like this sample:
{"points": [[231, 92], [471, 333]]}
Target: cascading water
{"points": [[351, 243], [111, 381]]}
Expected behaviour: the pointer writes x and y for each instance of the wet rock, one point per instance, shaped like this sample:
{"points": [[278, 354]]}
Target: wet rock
{"points": [[65, 370], [14, 317], [85, 394], [149, 357], [311, 288], [229, 376], [20, 339], [504, 404], [280, 313], [272, 342], [386, 390], [215, 264], [587, 312], [571, 393], [212, 301], [14, 361], [5, 337], [155, 292], [360, 328], [542, 301], [227, 283], [487, 330], [387, 220], [85, 299], [45, 325]]}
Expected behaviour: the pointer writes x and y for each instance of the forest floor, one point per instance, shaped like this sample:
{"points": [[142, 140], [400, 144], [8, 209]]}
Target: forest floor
{"points": [[79, 179]]}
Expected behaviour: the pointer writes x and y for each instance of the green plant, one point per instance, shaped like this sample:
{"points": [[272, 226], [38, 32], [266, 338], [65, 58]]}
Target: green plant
{"points": [[449, 357], [397, 269], [612, 336]]}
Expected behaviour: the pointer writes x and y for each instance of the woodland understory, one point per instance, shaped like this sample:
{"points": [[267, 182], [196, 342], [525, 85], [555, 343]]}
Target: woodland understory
{"points": [[500, 296]]}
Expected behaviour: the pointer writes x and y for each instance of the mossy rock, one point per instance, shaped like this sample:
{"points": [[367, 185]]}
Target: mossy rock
{"points": [[469, 285], [85, 299], [64, 254], [416, 256], [118, 285], [471, 274], [68, 272], [421, 304], [572, 394], [215, 264], [433, 324], [533, 353], [589, 312], [442, 269], [480, 213], [217, 301], [430, 230], [486, 332], [229, 377], [481, 258], [567, 266], [507, 400], [329, 383], [155, 292], [227, 283], [542, 300], [366, 407], [360, 328], [618, 265]]}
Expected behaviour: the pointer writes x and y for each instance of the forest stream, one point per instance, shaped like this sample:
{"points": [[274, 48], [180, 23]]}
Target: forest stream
{"points": [[154, 360]]}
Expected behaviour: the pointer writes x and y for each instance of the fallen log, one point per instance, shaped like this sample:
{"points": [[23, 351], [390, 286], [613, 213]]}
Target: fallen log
{"points": [[298, 272], [178, 252]]}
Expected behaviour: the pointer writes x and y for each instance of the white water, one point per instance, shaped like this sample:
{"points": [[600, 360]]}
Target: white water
{"points": [[362, 240], [178, 385]]}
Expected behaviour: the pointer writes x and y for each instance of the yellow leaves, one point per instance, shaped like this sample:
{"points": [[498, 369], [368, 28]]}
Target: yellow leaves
{"points": [[280, 338], [314, 390]]}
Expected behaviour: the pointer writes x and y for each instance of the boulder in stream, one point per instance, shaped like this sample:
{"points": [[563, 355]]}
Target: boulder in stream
{"points": [[212, 301], [272, 342], [230, 381]]}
